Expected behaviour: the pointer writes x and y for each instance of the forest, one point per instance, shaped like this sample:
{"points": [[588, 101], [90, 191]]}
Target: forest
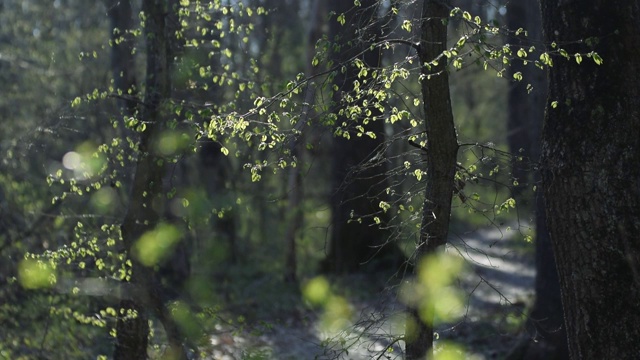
{"points": [[319, 179]]}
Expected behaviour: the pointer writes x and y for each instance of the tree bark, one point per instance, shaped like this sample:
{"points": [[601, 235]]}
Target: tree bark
{"points": [[147, 200], [122, 58], [591, 177], [526, 114], [441, 156], [357, 185], [523, 124], [296, 146]]}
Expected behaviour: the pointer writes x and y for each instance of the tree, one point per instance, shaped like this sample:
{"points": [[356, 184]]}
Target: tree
{"points": [[295, 178], [441, 155], [525, 116], [36, 76], [122, 52], [358, 182], [591, 180], [145, 212], [214, 87]]}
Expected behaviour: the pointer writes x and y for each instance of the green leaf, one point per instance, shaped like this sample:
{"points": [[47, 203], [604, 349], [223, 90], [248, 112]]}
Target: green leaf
{"points": [[596, 58], [34, 274], [564, 53], [157, 244], [341, 19], [406, 25], [461, 42], [578, 58], [522, 53], [457, 63], [546, 59]]}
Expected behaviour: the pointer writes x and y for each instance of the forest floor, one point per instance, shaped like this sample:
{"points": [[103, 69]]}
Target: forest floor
{"points": [[498, 288]]}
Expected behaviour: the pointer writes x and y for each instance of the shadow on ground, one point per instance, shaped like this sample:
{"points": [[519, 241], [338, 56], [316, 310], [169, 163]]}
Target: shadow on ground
{"points": [[498, 283]]}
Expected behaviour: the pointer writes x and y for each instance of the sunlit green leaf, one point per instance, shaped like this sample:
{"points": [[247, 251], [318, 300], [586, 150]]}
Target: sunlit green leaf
{"points": [[406, 25], [35, 274], [156, 245]]}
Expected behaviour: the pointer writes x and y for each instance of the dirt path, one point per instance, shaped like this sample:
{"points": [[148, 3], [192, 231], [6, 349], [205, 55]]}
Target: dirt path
{"points": [[499, 283]]}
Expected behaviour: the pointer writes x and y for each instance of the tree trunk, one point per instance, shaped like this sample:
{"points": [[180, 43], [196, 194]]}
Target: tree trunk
{"points": [[357, 185], [441, 155], [591, 177], [526, 114], [147, 200], [295, 183], [523, 124], [122, 58], [215, 171]]}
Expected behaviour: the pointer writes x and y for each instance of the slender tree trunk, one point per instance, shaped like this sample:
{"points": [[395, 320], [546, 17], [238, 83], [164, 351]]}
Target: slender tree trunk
{"points": [[591, 177], [441, 155], [295, 218], [147, 200], [295, 184], [526, 114]]}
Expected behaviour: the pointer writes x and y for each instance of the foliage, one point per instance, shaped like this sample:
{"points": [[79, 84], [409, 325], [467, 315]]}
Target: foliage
{"points": [[68, 155]]}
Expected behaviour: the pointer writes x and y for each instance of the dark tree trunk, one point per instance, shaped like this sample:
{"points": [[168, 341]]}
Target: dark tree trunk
{"points": [[441, 155], [147, 200], [356, 184], [295, 214], [122, 56], [295, 183], [215, 171], [526, 113], [523, 124], [591, 177]]}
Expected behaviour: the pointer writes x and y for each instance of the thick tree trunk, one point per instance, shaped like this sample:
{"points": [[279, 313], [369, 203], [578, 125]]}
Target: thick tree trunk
{"points": [[591, 177], [441, 155], [526, 114]]}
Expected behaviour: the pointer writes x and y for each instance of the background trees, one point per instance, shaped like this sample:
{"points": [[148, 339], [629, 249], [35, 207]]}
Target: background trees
{"points": [[159, 217]]}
